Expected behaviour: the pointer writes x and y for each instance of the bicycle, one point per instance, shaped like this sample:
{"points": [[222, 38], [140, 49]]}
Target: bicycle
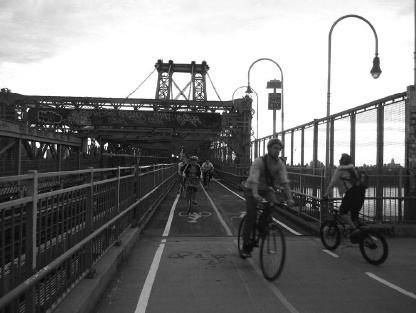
{"points": [[182, 188], [191, 189], [272, 246], [373, 245], [207, 179]]}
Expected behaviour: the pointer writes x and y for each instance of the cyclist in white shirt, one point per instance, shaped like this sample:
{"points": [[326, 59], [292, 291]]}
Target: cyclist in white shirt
{"points": [[207, 169]]}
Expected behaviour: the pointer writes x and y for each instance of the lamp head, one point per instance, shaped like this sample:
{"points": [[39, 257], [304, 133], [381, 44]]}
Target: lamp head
{"points": [[249, 89], [376, 71]]}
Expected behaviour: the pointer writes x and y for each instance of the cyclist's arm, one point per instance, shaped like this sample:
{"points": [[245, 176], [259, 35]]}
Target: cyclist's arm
{"points": [[332, 183], [289, 198]]}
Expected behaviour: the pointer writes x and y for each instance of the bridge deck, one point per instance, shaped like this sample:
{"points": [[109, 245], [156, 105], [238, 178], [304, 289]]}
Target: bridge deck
{"points": [[183, 264]]}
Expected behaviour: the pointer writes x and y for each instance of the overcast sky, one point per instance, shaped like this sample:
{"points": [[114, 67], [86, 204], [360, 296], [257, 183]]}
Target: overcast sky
{"points": [[107, 48]]}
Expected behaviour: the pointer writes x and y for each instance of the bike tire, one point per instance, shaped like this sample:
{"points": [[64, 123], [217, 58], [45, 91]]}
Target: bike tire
{"points": [[240, 240], [330, 235], [373, 246], [272, 252], [183, 192], [190, 201]]}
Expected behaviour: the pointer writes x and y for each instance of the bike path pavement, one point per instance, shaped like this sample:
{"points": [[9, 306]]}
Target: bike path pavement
{"points": [[199, 270]]}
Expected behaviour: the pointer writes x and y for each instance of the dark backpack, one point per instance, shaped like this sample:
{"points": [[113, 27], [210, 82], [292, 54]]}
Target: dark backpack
{"points": [[358, 178]]}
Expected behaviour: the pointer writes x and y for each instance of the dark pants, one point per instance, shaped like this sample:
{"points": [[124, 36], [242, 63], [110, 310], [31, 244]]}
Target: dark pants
{"points": [[352, 202], [251, 209], [206, 174]]}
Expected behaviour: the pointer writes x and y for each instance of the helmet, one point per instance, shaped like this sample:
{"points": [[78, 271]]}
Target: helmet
{"points": [[194, 158], [275, 141]]}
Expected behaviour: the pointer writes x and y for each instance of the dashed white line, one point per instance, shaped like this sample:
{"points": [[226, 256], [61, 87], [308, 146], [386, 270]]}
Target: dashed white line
{"points": [[385, 282], [330, 253]]}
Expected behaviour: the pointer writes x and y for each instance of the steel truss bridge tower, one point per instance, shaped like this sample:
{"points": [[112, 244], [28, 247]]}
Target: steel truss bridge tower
{"points": [[197, 83], [31, 126]]}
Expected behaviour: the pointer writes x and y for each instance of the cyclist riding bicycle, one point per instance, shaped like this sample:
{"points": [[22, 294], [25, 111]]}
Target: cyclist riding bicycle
{"points": [[352, 196], [192, 170], [207, 169], [260, 184], [181, 165]]}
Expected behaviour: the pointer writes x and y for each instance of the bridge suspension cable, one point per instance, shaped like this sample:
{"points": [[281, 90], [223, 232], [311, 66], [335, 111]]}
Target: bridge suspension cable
{"points": [[213, 86], [141, 84]]}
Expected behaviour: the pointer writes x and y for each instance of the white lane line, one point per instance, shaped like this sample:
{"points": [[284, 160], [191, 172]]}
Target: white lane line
{"points": [[385, 282], [150, 279], [230, 190], [172, 212], [271, 286], [287, 227], [280, 223], [331, 253], [224, 224]]}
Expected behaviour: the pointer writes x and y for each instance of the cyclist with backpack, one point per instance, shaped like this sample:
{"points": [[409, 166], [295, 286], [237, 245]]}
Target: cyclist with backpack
{"points": [[347, 180], [260, 184], [192, 170], [181, 166]]}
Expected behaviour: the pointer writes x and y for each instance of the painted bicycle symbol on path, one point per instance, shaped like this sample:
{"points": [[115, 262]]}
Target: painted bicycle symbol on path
{"points": [[194, 216], [241, 215]]}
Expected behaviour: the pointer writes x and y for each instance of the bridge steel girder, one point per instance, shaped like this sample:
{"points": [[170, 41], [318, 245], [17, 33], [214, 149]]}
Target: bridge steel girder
{"points": [[235, 130]]}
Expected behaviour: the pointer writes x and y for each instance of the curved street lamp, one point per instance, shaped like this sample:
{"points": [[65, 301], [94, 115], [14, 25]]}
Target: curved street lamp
{"points": [[375, 72], [249, 90]]}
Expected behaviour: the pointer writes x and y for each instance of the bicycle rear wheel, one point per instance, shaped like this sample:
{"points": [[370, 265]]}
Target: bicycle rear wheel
{"points": [[330, 235], [272, 252], [373, 246]]}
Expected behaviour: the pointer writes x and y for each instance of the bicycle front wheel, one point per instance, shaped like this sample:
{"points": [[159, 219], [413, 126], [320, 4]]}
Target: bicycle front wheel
{"points": [[330, 235], [191, 198], [272, 252], [240, 240], [373, 247]]}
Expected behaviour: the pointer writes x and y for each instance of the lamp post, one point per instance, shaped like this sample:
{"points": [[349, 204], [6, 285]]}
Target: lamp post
{"points": [[257, 115], [249, 90], [375, 72]]}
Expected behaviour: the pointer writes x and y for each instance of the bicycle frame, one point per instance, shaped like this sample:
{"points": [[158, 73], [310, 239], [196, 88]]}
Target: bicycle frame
{"points": [[191, 188], [206, 178]]}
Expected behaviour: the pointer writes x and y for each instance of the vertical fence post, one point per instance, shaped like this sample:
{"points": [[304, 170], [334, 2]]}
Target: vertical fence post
{"points": [[400, 195], [89, 220], [118, 186], [380, 162], [31, 232], [409, 214]]}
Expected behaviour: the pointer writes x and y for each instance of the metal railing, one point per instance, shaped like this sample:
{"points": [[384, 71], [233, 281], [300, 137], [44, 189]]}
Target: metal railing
{"points": [[385, 199], [50, 240]]}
